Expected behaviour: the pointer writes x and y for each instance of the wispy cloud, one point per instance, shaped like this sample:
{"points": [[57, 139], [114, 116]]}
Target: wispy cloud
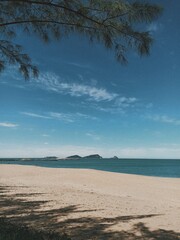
{"points": [[106, 100], [62, 116], [54, 83], [66, 117], [85, 116], [153, 27], [45, 135], [8, 125], [120, 105], [125, 102], [93, 136], [109, 109], [35, 115], [71, 117], [79, 65], [165, 119]]}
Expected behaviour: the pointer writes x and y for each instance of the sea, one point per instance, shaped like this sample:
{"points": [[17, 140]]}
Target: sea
{"points": [[148, 167]]}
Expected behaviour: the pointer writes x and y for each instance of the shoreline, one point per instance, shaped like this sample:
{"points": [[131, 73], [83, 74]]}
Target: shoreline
{"points": [[91, 169], [85, 199], [143, 170]]}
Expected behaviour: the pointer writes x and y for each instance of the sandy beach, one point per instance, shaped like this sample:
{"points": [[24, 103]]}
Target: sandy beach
{"points": [[91, 204]]}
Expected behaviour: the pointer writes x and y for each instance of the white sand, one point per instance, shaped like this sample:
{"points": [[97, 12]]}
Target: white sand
{"points": [[120, 206]]}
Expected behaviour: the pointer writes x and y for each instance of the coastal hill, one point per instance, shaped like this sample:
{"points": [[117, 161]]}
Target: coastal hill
{"points": [[74, 157], [77, 157], [97, 156], [93, 156]]}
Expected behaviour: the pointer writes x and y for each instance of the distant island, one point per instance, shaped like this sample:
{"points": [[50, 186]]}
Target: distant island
{"points": [[74, 157], [55, 158], [97, 156], [77, 157], [93, 156]]}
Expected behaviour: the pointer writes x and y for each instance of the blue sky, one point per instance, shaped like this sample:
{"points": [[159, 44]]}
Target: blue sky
{"points": [[85, 102]]}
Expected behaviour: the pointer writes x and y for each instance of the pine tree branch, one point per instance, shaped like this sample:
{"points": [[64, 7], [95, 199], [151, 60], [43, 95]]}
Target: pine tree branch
{"points": [[125, 33], [100, 23], [105, 21], [50, 4], [45, 21]]}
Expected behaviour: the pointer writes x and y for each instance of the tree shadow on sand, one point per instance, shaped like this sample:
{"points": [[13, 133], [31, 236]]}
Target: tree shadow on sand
{"points": [[18, 209]]}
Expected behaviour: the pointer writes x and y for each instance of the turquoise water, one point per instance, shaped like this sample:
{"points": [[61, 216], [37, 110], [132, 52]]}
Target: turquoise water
{"points": [[147, 167]]}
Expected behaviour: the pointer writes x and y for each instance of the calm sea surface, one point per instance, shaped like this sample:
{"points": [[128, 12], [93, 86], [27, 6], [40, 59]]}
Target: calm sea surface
{"points": [[148, 167]]}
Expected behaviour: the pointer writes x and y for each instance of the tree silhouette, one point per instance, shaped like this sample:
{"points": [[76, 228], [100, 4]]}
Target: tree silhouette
{"points": [[116, 24]]}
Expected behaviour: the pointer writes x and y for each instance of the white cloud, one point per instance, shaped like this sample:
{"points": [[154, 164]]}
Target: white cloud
{"points": [[125, 102], [93, 92], [112, 110], [8, 125], [79, 65], [70, 117], [90, 92], [52, 82], [85, 116], [120, 105], [153, 27], [66, 117], [115, 102], [165, 119], [62, 116], [35, 115], [93, 136]]}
